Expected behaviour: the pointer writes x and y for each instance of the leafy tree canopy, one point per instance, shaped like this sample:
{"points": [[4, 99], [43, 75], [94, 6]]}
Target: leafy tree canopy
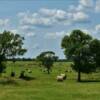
{"points": [[10, 45], [47, 58], [80, 47]]}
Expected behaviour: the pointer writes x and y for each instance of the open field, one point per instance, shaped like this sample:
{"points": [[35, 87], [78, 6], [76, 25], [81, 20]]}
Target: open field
{"points": [[45, 87]]}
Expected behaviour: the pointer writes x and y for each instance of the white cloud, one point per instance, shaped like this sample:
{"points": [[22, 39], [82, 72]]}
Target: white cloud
{"points": [[79, 13], [86, 31], [96, 31], [4, 22], [73, 8], [97, 8], [86, 3], [97, 28], [35, 20], [83, 5], [54, 35], [80, 16], [44, 17], [54, 13], [21, 14], [35, 46], [14, 31], [31, 34], [50, 17], [80, 7], [47, 12], [26, 27]]}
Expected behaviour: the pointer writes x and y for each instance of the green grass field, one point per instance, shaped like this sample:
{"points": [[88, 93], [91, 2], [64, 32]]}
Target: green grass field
{"points": [[45, 87]]}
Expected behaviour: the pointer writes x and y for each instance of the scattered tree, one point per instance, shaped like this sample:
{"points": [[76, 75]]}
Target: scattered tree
{"points": [[95, 50], [76, 47], [10, 46], [47, 59]]}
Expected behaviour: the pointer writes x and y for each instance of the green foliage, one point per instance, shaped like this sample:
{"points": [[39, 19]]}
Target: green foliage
{"points": [[95, 50], [47, 59], [10, 46], [46, 87], [74, 41], [2, 63], [84, 61], [2, 67], [77, 47]]}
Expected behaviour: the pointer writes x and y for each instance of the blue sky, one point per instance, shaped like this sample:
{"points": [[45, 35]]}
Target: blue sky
{"points": [[44, 23]]}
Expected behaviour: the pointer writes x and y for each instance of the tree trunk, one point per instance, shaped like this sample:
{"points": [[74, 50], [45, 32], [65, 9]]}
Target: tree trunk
{"points": [[0, 68], [79, 76], [48, 71]]}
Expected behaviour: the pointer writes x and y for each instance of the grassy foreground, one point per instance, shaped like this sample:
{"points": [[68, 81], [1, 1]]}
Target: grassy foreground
{"points": [[45, 87]]}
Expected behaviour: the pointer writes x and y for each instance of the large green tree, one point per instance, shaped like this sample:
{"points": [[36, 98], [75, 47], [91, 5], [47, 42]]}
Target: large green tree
{"points": [[76, 47], [95, 49], [11, 45], [47, 59]]}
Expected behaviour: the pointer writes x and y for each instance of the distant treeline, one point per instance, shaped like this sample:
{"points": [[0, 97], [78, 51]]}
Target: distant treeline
{"points": [[63, 60], [21, 59], [33, 59]]}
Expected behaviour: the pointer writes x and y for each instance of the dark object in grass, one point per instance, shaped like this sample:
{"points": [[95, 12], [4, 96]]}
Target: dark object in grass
{"points": [[29, 71], [66, 70], [4, 71], [64, 76], [89, 81], [12, 74], [28, 78], [22, 74], [8, 81]]}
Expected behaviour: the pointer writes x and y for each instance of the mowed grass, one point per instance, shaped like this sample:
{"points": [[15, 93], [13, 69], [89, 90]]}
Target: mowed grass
{"points": [[46, 87]]}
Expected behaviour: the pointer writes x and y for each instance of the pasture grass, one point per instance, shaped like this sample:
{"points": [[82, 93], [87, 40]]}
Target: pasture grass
{"points": [[44, 86]]}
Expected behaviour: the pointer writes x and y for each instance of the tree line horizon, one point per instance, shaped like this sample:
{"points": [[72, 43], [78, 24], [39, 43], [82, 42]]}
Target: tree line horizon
{"points": [[79, 47]]}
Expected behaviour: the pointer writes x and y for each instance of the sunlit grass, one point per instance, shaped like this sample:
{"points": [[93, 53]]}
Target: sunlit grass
{"points": [[44, 86]]}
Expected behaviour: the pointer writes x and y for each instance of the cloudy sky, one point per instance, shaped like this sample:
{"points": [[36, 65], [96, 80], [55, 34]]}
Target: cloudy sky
{"points": [[44, 23]]}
